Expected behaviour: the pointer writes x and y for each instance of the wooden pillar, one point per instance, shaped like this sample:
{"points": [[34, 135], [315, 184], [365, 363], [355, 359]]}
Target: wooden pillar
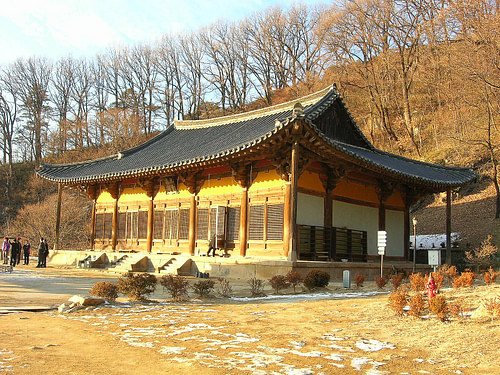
{"points": [[406, 232], [294, 180], [330, 177], [92, 224], [448, 227], [151, 186], [151, 210], [92, 193], [114, 190], [193, 182], [192, 224], [243, 221], [384, 191], [241, 174], [58, 216], [287, 219]]}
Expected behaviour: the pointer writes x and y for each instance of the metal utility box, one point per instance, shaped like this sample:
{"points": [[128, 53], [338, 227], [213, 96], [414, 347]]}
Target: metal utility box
{"points": [[347, 279], [434, 257]]}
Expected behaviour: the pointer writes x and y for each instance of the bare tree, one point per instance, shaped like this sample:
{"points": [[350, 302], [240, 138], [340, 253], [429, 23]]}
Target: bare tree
{"points": [[32, 78]]}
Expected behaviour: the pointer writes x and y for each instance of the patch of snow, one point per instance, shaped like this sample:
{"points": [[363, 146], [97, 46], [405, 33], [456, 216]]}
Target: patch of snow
{"points": [[373, 345], [357, 363], [171, 350]]}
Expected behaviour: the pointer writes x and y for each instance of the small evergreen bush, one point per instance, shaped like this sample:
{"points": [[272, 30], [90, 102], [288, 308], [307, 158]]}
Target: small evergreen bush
{"points": [[294, 278], [398, 300], [176, 286], [359, 280], [396, 281], [490, 276], [279, 282], [136, 287], [416, 304], [417, 282], [104, 289], [316, 279], [381, 282], [465, 280], [439, 307]]}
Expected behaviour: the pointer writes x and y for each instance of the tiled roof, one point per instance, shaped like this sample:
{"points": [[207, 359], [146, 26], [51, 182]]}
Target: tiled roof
{"points": [[190, 142]]}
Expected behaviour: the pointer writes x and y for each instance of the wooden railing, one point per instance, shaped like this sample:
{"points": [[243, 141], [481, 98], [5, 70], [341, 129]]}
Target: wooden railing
{"points": [[331, 244]]}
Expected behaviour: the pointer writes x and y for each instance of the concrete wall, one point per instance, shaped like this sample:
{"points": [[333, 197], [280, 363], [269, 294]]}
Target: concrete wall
{"points": [[394, 223]]}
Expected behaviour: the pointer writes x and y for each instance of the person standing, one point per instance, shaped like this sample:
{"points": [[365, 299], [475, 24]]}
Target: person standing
{"points": [[41, 252], [5, 250], [19, 250], [14, 249], [26, 252], [46, 253]]}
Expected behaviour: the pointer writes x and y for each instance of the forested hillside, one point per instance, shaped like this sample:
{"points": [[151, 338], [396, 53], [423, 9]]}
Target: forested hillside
{"points": [[421, 78]]}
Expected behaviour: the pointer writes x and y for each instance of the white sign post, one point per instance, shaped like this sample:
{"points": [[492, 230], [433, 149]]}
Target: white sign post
{"points": [[381, 244]]}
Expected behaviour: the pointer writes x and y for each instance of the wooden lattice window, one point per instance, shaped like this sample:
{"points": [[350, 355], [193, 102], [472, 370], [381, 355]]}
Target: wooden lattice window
{"points": [[143, 224], [132, 225], [275, 222], [158, 224], [99, 226], [233, 224], [171, 224], [184, 223], [202, 229], [256, 223], [108, 225], [122, 225]]}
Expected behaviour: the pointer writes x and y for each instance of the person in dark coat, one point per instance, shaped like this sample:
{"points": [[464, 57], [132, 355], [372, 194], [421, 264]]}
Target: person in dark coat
{"points": [[41, 252], [46, 252], [19, 250], [26, 252], [14, 250]]}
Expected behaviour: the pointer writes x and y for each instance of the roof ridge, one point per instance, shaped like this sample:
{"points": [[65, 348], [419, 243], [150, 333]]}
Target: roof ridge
{"points": [[310, 99]]}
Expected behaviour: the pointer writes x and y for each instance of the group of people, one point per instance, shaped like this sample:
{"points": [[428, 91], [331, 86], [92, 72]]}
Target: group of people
{"points": [[12, 250]]}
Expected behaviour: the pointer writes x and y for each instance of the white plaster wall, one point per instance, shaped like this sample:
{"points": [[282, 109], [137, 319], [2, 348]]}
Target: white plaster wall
{"points": [[357, 217], [394, 224], [310, 210]]}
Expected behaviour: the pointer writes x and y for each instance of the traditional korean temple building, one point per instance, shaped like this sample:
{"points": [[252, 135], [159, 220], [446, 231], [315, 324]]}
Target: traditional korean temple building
{"points": [[297, 182]]}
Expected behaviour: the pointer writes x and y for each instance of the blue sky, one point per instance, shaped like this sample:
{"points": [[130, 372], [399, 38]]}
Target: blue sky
{"points": [[57, 28]]}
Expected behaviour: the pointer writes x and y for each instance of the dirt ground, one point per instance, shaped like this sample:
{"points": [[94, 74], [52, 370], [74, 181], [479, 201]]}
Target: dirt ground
{"points": [[335, 331]]}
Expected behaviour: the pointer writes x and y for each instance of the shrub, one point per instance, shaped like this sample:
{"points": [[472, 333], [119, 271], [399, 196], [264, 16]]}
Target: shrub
{"points": [[294, 278], [103, 289], [316, 279], [449, 271], [396, 281], [381, 281], [203, 288], [136, 287], [465, 280], [490, 276], [279, 282], [417, 282], [458, 309], [224, 288], [439, 307], [359, 280], [176, 286], [256, 287], [416, 303], [492, 305], [438, 279], [483, 255], [398, 300]]}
